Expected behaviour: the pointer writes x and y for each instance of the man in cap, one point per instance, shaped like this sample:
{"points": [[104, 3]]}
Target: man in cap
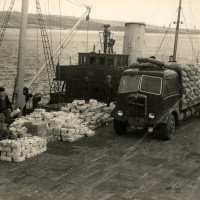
{"points": [[108, 90]]}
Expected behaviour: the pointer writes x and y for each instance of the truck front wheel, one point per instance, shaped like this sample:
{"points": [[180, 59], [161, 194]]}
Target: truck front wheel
{"points": [[120, 127], [169, 128]]}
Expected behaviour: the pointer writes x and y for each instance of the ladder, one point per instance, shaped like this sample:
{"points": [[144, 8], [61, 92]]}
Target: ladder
{"points": [[32, 84], [6, 20], [50, 67]]}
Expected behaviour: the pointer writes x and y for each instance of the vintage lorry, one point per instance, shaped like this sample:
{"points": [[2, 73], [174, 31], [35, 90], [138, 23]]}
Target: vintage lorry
{"points": [[154, 95]]}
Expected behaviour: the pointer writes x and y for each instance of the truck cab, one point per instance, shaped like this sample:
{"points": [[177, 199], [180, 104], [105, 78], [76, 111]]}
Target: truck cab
{"points": [[148, 94]]}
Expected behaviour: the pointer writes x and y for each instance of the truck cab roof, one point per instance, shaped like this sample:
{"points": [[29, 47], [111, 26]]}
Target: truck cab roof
{"points": [[150, 72]]}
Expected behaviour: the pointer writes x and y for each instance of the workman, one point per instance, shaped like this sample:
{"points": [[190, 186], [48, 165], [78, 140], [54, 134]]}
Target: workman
{"points": [[108, 90], [5, 132], [171, 59], [28, 96], [5, 105]]}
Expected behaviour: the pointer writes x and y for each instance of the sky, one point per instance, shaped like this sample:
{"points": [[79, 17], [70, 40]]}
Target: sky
{"points": [[154, 12]]}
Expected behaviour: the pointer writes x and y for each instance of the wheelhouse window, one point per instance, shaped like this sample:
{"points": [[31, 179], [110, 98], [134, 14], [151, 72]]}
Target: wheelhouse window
{"points": [[111, 60], [83, 59], [151, 84], [129, 84], [92, 60], [102, 60], [125, 61]]}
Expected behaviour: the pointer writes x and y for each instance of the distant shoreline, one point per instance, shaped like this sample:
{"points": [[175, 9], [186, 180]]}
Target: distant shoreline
{"points": [[67, 22], [99, 30]]}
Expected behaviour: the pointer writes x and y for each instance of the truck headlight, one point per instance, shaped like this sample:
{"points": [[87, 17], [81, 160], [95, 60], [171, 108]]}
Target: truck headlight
{"points": [[120, 113], [151, 115]]}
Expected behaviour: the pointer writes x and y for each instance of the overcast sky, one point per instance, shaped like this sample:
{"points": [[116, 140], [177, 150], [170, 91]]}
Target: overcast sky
{"points": [[155, 12]]}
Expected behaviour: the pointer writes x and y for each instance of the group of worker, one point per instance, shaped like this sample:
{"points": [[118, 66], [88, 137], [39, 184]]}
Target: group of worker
{"points": [[5, 112]]}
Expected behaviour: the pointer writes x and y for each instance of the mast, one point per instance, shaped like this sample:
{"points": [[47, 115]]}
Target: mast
{"points": [[177, 31], [20, 98]]}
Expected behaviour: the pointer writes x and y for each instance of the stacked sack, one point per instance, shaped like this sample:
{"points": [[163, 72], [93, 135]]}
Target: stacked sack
{"points": [[191, 83], [22, 148]]}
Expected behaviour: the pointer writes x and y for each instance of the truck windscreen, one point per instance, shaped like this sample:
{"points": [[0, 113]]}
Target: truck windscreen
{"points": [[129, 83], [151, 84]]}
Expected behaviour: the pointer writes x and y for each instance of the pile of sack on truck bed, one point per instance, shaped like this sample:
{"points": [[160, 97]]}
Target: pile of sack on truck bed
{"points": [[191, 83]]}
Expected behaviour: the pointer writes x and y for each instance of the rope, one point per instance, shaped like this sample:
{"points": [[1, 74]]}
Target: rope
{"points": [[3, 8], [60, 41], [50, 29], [73, 34], [77, 3], [88, 24], [189, 36], [164, 41], [197, 43], [81, 3], [60, 28]]}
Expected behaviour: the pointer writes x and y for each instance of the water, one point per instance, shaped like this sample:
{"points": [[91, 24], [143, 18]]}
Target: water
{"points": [[79, 43]]}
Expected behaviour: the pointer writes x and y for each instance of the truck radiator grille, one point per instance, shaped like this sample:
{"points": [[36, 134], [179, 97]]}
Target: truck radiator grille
{"points": [[137, 105]]}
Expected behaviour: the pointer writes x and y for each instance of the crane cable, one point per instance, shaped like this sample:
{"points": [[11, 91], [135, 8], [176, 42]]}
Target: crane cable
{"points": [[171, 19], [49, 20], [193, 51], [88, 25], [3, 8], [162, 40], [75, 2], [195, 31]]}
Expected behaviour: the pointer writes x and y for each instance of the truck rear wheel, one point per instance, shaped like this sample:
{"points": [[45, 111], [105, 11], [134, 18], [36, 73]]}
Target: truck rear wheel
{"points": [[120, 127], [168, 129]]}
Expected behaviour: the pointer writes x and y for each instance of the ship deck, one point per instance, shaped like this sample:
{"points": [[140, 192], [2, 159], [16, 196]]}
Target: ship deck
{"points": [[107, 166]]}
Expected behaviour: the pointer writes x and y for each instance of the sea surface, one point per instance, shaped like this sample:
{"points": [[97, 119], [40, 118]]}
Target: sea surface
{"points": [[82, 41]]}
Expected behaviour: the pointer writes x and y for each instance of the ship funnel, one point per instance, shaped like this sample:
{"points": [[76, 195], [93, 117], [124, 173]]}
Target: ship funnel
{"points": [[133, 40]]}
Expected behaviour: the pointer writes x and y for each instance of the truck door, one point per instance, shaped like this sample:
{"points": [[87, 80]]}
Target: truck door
{"points": [[171, 93]]}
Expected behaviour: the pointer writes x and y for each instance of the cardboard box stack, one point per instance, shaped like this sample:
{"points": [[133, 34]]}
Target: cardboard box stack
{"points": [[22, 148], [74, 121]]}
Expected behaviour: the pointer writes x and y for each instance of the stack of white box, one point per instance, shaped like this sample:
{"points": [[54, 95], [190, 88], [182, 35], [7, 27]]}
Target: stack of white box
{"points": [[22, 148], [76, 120]]}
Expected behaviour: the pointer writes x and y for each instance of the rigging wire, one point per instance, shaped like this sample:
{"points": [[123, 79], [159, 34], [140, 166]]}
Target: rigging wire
{"points": [[77, 3], [198, 41], [60, 12], [80, 25], [166, 44], [88, 24], [161, 39], [195, 37], [81, 3], [50, 29], [3, 8], [189, 36]]}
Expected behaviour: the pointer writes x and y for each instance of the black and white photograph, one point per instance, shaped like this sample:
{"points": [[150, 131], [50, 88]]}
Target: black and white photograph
{"points": [[99, 100]]}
